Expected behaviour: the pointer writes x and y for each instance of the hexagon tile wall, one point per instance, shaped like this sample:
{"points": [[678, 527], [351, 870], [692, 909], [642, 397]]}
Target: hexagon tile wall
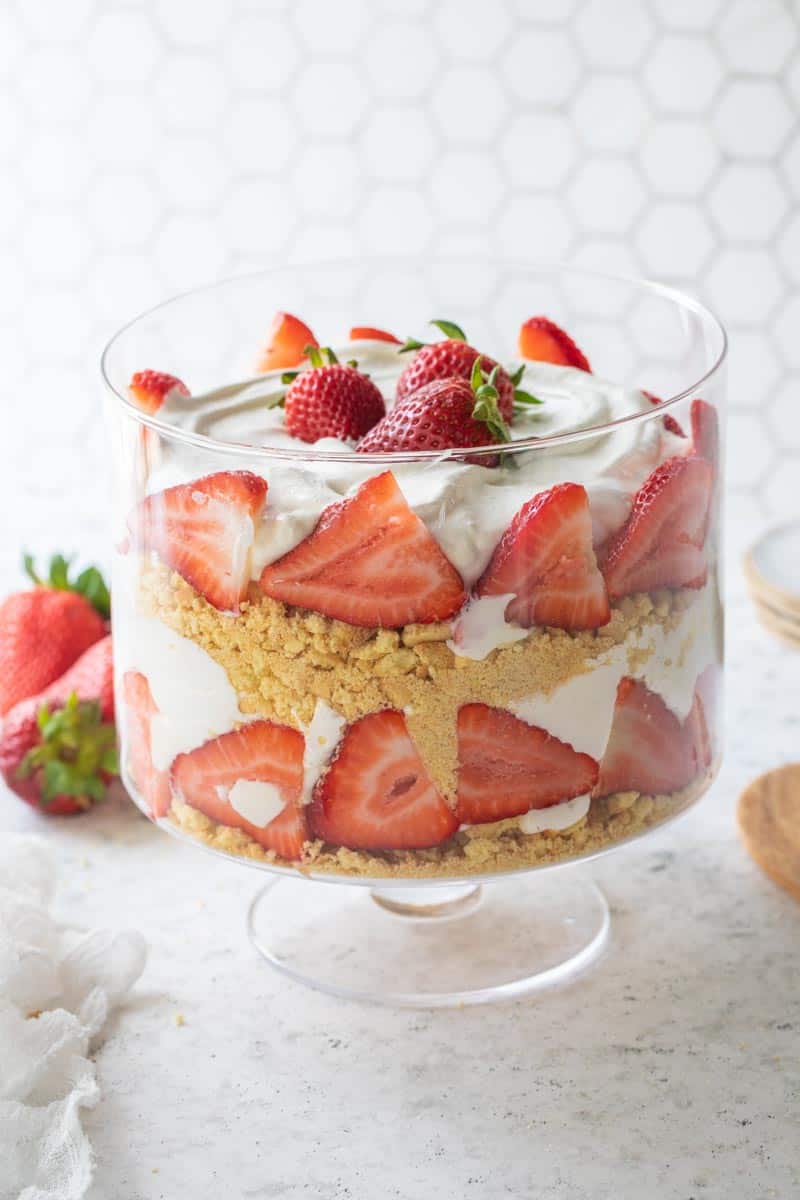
{"points": [[148, 146]]}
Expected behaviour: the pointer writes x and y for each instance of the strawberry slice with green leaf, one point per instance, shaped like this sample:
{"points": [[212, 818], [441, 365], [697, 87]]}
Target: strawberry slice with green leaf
{"points": [[507, 767], [662, 543], [287, 343], [376, 794], [541, 340], [369, 561], [546, 561], [204, 530], [649, 749], [260, 752]]}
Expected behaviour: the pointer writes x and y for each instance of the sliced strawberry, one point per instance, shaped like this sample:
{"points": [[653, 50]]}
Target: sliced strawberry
{"points": [[286, 343], [204, 530], [649, 749], [377, 795], [369, 561], [507, 767], [542, 340], [366, 333], [261, 752], [149, 389], [705, 431], [703, 716], [141, 708], [670, 424], [545, 560], [661, 545]]}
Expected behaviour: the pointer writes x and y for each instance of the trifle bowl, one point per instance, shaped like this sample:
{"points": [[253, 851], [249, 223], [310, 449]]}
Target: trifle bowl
{"points": [[429, 605]]}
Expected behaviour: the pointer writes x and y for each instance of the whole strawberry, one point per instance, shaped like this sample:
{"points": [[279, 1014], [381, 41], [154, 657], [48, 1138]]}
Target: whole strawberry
{"points": [[58, 749], [454, 358], [331, 399], [44, 630], [441, 415]]}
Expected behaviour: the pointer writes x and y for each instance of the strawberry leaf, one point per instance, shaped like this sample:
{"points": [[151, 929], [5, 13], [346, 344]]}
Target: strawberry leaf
{"points": [[523, 398], [410, 344], [516, 378], [90, 583], [75, 753], [450, 330]]}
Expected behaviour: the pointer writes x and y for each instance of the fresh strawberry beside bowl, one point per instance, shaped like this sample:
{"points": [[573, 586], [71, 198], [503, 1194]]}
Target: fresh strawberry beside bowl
{"points": [[45, 629], [58, 749]]}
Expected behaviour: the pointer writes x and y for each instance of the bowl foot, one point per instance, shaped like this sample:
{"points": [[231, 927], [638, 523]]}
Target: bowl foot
{"points": [[432, 946]]}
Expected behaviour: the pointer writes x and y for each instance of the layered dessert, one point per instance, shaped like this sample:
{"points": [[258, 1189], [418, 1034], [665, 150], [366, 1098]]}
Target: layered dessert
{"points": [[396, 609]]}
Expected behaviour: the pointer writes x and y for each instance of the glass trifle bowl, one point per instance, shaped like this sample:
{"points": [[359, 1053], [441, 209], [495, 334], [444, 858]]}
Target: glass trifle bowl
{"points": [[429, 618]]}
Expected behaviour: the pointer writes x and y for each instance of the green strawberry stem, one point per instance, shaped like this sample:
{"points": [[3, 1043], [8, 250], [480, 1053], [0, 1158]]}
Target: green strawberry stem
{"points": [[320, 356], [90, 583], [76, 752], [448, 328], [486, 408]]}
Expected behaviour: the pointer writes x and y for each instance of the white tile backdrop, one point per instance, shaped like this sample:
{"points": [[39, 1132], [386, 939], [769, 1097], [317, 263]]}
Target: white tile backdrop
{"points": [[147, 147]]}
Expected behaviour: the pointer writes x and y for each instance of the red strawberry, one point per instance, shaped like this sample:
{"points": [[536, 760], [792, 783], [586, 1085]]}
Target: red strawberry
{"points": [[369, 561], [670, 424], [442, 415], [261, 752], [661, 545], [452, 359], [149, 389], [546, 561], [204, 530], [331, 399], [58, 749], [705, 431], [140, 709], [366, 333], [376, 794], [544, 341], [45, 629], [649, 749], [507, 767], [286, 345]]}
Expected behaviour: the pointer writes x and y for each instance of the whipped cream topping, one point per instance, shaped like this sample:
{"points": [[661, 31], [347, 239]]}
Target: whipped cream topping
{"points": [[481, 627], [465, 506]]}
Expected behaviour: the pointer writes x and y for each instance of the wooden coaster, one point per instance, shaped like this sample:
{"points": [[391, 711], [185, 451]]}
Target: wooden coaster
{"points": [[786, 628], [772, 568], [769, 823]]}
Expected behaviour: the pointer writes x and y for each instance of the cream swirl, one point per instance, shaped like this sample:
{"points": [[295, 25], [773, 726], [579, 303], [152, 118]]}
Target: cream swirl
{"points": [[465, 506]]}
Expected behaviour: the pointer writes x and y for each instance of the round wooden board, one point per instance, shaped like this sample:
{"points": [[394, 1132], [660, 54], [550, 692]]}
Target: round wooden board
{"points": [[769, 824]]}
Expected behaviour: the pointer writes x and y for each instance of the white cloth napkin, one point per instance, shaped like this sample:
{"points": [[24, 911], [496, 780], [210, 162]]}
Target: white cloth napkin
{"points": [[72, 979]]}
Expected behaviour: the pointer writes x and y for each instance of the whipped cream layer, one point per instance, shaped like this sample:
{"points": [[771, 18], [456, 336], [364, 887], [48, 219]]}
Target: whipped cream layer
{"points": [[465, 506]]}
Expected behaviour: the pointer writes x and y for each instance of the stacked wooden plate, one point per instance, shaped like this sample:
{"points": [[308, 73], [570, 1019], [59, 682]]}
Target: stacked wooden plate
{"points": [[772, 570]]}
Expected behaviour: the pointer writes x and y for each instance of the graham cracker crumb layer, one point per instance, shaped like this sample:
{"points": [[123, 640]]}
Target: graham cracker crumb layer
{"points": [[281, 660], [478, 850]]}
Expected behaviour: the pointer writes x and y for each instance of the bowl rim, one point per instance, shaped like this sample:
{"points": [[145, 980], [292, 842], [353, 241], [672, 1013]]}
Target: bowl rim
{"points": [[385, 458]]}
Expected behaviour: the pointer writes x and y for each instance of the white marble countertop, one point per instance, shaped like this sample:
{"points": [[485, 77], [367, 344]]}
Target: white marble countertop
{"points": [[670, 1070]]}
